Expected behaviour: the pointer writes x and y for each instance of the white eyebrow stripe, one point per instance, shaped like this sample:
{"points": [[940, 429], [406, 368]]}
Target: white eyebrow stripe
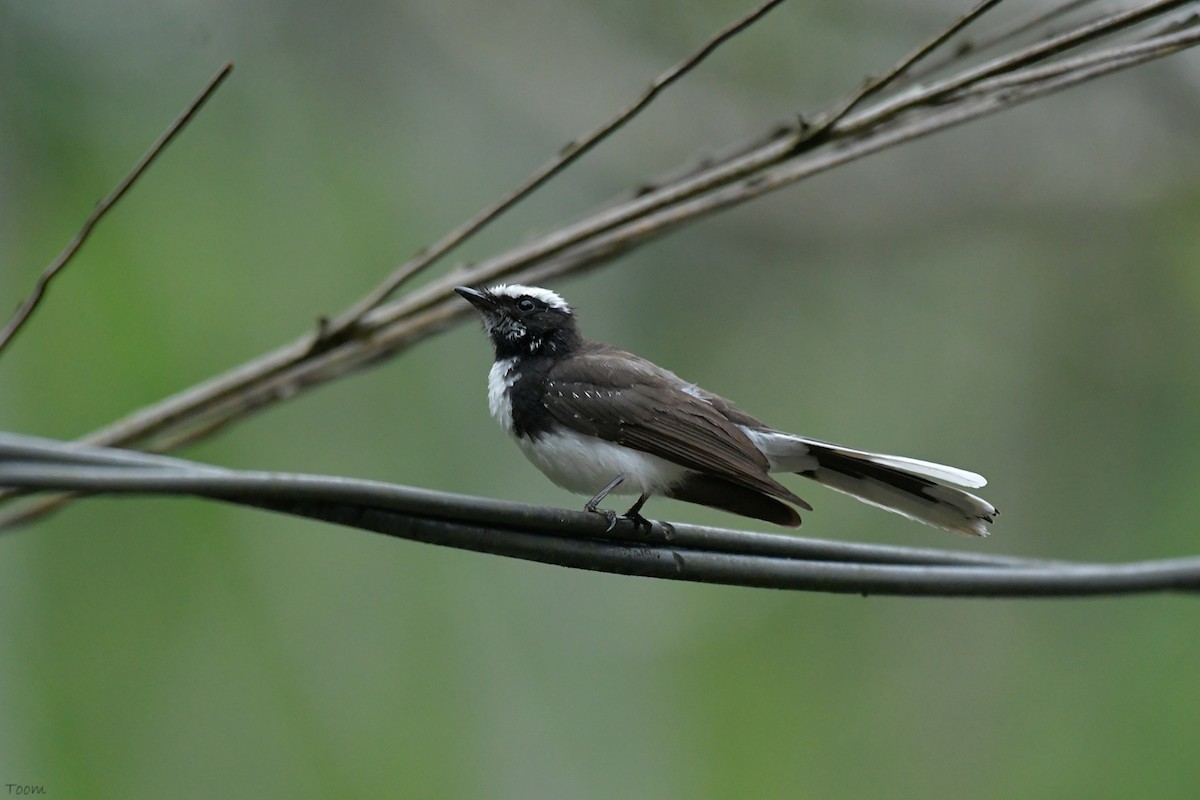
{"points": [[548, 297]]}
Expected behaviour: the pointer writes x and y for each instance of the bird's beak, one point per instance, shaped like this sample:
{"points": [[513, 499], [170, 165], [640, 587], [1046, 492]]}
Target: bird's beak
{"points": [[481, 300]]}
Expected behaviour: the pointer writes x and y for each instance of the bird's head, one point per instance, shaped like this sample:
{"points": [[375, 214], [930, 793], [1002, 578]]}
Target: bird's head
{"points": [[524, 320]]}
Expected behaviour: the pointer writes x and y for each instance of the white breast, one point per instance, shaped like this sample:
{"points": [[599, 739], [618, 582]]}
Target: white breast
{"points": [[585, 464]]}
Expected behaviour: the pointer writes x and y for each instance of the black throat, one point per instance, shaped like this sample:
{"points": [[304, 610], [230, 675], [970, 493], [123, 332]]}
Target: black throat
{"points": [[558, 343], [530, 419]]}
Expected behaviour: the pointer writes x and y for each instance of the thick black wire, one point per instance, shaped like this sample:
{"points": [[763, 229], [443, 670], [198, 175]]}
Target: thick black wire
{"points": [[576, 539]]}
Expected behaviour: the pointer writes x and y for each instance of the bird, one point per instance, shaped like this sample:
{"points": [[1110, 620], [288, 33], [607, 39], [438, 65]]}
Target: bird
{"points": [[598, 420]]}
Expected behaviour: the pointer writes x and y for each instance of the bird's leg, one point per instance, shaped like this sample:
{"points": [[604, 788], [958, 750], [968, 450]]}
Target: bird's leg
{"points": [[634, 515], [610, 515]]}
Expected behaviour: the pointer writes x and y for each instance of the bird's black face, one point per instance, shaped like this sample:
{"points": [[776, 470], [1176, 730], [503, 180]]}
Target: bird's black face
{"points": [[524, 320]]}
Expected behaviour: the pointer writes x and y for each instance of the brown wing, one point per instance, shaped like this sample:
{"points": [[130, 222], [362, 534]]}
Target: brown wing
{"points": [[624, 399]]}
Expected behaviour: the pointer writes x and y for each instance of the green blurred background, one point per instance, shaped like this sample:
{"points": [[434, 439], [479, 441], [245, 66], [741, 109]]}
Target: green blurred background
{"points": [[1020, 297]]}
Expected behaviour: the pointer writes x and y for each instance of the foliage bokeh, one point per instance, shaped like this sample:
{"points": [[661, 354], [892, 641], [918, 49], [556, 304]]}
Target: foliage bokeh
{"points": [[1018, 297]]}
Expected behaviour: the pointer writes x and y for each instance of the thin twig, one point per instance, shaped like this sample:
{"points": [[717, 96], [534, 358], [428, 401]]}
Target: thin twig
{"points": [[619, 228], [787, 143], [27, 307], [1088, 66], [569, 153], [1074, 38], [999, 36], [875, 85], [996, 95]]}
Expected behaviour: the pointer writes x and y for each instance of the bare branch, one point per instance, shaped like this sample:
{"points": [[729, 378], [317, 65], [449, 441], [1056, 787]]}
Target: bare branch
{"points": [[570, 153], [1035, 22], [580, 540], [1073, 38], [876, 85], [27, 307]]}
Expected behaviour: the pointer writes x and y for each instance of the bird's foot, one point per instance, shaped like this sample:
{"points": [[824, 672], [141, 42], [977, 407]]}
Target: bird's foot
{"points": [[640, 523], [593, 506], [607, 513]]}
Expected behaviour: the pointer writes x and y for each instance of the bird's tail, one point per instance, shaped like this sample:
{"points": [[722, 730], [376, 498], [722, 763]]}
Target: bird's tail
{"points": [[916, 489]]}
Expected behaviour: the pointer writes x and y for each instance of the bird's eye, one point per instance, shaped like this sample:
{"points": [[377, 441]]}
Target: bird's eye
{"points": [[525, 304]]}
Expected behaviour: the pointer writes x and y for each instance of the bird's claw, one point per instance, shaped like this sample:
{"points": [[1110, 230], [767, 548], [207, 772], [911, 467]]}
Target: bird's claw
{"points": [[640, 523], [607, 513]]}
